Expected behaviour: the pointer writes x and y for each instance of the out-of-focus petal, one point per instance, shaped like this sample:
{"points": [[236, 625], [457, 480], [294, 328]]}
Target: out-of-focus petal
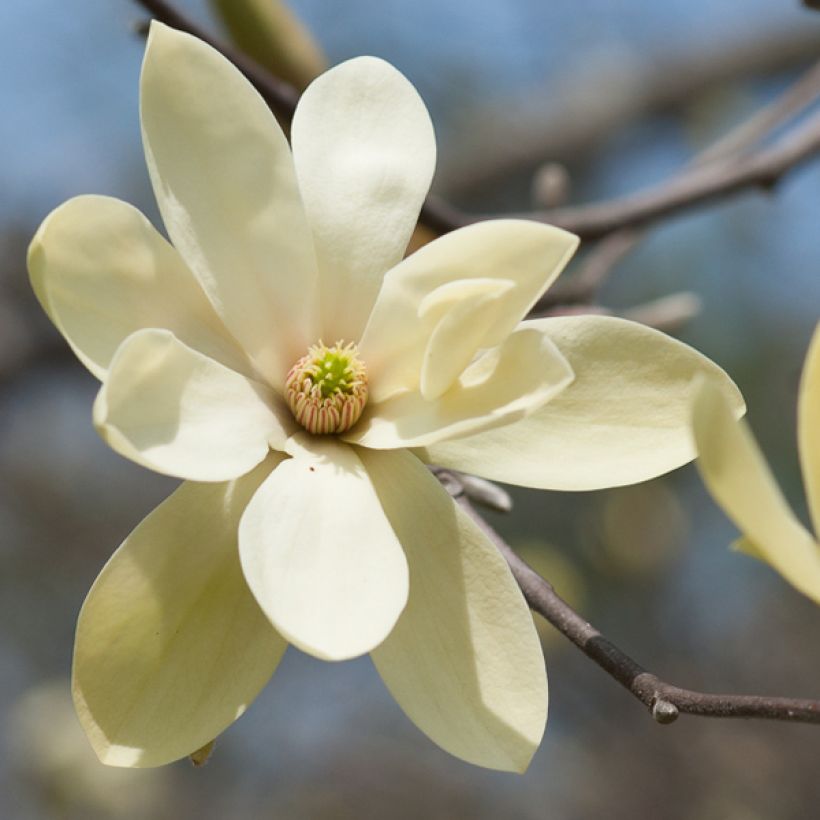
{"points": [[738, 477], [808, 428], [365, 152], [171, 646], [176, 411], [223, 176], [319, 554], [624, 418], [465, 291], [503, 385], [101, 272], [463, 661]]}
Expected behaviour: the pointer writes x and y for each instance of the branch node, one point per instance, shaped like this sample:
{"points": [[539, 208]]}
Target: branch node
{"points": [[664, 711]]}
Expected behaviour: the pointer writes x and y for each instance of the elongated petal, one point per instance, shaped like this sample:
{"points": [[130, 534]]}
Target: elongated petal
{"points": [[464, 661], [365, 152], [465, 291], [808, 428], [505, 384], [738, 477], [171, 409], [624, 419], [320, 556], [101, 272], [171, 646], [223, 177]]}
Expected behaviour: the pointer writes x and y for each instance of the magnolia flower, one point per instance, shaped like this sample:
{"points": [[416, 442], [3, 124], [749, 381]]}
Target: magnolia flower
{"points": [[738, 477], [285, 361]]}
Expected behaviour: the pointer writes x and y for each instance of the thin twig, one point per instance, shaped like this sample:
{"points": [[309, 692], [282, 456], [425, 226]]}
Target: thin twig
{"points": [[665, 701], [593, 271], [794, 100], [696, 186], [598, 264], [575, 115]]}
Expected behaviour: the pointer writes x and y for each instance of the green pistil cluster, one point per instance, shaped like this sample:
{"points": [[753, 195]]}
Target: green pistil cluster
{"points": [[333, 371], [327, 388]]}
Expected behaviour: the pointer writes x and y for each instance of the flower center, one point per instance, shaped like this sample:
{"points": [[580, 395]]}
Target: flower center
{"points": [[327, 388]]}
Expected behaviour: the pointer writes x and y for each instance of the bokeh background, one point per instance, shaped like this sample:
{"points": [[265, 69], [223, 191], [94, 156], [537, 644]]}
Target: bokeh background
{"points": [[622, 92]]}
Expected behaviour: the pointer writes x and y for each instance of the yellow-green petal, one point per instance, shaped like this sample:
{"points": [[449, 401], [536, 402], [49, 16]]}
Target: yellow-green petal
{"points": [[319, 554], [223, 176], [101, 272], [176, 411], [736, 473], [625, 418], [171, 647], [464, 661], [808, 428], [504, 384], [464, 291], [365, 151]]}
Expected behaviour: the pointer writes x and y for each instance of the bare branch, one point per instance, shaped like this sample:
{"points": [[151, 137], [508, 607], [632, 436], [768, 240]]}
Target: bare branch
{"points": [[665, 701], [695, 186], [599, 263], [581, 112], [795, 99], [477, 489]]}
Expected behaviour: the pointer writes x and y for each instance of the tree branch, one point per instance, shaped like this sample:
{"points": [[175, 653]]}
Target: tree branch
{"points": [[695, 186], [597, 265], [665, 701], [580, 113]]}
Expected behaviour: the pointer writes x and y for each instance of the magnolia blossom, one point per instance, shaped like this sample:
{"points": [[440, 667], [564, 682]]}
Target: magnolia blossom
{"points": [[284, 360], [737, 475]]}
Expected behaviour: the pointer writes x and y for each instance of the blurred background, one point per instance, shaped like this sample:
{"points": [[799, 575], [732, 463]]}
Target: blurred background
{"points": [[621, 93]]}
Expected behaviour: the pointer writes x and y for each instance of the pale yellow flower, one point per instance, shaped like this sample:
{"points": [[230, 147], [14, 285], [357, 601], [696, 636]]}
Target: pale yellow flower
{"points": [[736, 473], [341, 543]]}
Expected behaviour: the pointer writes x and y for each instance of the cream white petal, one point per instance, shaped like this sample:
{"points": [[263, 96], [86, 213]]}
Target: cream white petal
{"points": [[464, 291], [223, 176], [503, 385], [624, 419], [463, 661], [101, 271], [808, 428], [171, 647], [176, 411], [738, 477], [320, 556], [365, 152]]}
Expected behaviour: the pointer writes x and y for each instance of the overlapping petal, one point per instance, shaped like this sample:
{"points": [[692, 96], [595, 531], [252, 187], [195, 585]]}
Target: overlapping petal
{"points": [[365, 152], [319, 554], [503, 385], [463, 661], [101, 272], [737, 475], [223, 176], [171, 646], [808, 428], [465, 291], [624, 418], [176, 411]]}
